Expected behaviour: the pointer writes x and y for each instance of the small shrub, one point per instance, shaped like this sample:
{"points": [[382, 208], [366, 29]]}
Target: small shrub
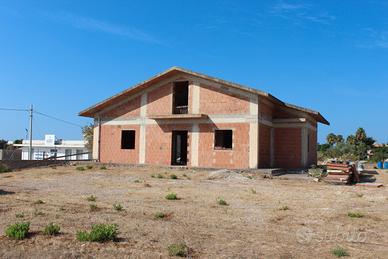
{"points": [[93, 207], [147, 185], [103, 167], [89, 167], [284, 208], [99, 233], [80, 168], [18, 230], [184, 175], [19, 215], [177, 250], [117, 207], [159, 215], [38, 213], [160, 176], [153, 175], [39, 202], [339, 252], [172, 196], [253, 191], [355, 215], [137, 181], [4, 169], [173, 176], [359, 195], [222, 202], [82, 236], [91, 198], [51, 229]]}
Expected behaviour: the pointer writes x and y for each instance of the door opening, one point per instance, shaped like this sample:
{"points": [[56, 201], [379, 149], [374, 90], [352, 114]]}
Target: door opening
{"points": [[179, 147]]}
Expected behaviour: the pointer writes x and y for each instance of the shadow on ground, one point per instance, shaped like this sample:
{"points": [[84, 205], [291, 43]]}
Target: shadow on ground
{"points": [[2, 192]]}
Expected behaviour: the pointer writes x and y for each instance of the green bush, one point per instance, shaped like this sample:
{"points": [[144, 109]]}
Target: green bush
{"points": [[103, 167], [284, 208], [39, 202], [160, 215], [173, 176], [222, 202], [4, 169], [117, 207], [18, 230], [339, 252], [160, 176], [355, 215], [38, 212], [80, 168], [99, 233], [51, 229], [93, 207], [91, 198], [19, 215], [89, 167], [177, 250], [172, 196]]}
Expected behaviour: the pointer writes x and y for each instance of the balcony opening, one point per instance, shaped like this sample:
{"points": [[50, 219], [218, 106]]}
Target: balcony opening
{"points": [[180, 98]]}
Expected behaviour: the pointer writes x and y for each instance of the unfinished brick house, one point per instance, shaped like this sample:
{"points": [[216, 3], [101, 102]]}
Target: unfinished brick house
{"points": [[184, 118]]}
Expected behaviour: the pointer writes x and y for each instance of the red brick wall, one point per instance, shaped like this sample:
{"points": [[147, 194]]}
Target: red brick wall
{"points": [[213, 101], [158, 147], [237, 157], [160, 100], [128, 109], [110, 145], [288, 152], [264, 146]]}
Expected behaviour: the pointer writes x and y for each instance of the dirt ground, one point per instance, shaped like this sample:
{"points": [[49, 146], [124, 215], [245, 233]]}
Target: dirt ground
{"points": [[265, 218]]}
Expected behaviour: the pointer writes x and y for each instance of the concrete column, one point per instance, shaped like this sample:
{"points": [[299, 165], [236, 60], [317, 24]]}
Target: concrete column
{"points": [[195, 90], [96, 139], [254, 133], [143, 132], [194, 144]]}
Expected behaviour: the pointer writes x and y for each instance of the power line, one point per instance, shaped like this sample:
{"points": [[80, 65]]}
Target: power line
{"points": [[58, 119], [42, 114], [12, 109]]}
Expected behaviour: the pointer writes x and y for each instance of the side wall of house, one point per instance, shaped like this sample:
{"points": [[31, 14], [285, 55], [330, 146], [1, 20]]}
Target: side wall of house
{"points": [[288, 147], [110, 145]]}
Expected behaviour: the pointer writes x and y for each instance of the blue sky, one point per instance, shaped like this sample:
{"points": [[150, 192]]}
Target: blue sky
{"points": [[63, 56]]}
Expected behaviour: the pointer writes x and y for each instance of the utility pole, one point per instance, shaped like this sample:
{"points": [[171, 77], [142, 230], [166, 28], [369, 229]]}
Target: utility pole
{"points": [[31, 111]]}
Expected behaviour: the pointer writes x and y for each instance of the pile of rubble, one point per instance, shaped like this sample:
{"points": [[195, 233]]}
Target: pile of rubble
{"points": [[342, 173]]}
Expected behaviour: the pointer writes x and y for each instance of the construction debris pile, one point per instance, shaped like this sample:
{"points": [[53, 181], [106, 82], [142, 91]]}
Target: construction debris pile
{"points": [[342, 173]]}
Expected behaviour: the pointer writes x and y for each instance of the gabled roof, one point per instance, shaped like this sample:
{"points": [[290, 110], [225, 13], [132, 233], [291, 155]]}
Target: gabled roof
{"points": [[91, 111]]}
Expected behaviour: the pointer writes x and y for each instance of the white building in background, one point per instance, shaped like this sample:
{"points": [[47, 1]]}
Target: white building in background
{"points": [[54, 148]]}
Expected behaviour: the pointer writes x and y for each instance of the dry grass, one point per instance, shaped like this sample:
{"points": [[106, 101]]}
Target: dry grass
{"points": [[252, 226]]}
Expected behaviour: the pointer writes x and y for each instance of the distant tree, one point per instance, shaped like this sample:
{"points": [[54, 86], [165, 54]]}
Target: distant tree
{"points": [[3, 144], [339, 139], [18, 141], [351, 140], [323, 147], [355, 147], [360, 135], [87, 132], [331, 139]]}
